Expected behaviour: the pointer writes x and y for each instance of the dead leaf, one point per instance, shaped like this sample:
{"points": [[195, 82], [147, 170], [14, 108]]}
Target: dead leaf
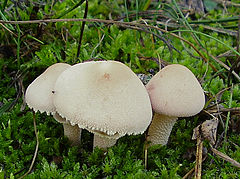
{"points": [[207, 130]]}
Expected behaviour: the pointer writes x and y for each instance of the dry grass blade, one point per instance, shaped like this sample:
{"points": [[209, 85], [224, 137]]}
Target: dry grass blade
{"points": [[236, 110], [225, 66], [220, 30], [36, 149], [227, 53], [225, 157]]}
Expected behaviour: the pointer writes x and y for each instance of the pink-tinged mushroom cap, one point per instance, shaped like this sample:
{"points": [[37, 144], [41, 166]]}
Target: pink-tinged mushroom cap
{"points": [[175, 91]]}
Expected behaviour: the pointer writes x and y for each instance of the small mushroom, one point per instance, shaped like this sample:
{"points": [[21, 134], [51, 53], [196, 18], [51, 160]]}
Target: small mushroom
{"points": [[174, 92], [104, 97], [39, 96]]}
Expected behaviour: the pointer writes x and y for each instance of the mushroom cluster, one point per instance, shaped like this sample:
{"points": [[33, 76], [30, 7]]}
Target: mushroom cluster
{"points": [[108, 99], [105, 97], [174, 92]]}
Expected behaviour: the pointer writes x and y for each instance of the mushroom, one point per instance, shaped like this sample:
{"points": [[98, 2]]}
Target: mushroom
{"points": [[104, 97], [174, 92], [39, 95]]}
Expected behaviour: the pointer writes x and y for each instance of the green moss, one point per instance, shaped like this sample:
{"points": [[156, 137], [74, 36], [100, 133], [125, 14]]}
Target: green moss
{"points": [[56, 158]]}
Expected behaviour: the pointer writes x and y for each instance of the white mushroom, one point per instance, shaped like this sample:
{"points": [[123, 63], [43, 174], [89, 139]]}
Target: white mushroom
{"points": [[39, 96], [174, 92], [104, 97]]}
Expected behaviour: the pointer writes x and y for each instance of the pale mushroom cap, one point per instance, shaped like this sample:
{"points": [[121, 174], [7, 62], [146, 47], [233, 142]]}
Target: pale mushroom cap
{"points": [[39, 93], [103, 97], [175, 91]]}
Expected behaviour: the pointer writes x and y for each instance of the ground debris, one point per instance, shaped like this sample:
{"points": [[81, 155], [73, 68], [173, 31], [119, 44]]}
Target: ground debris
{"points": [[225, 157], [207, 130]]}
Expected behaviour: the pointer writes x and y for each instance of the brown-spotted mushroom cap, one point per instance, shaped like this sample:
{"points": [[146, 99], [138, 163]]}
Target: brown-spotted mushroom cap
{"points": [[39, 93], [104, 97], [174, 92]]}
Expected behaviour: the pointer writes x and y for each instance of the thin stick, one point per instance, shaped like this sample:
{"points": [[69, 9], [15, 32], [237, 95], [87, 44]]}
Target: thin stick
{"points": [[198, 165], [36, 149]]}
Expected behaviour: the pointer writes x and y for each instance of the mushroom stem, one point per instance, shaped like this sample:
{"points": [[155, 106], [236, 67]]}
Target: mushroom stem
{"points": [[160, 129], [73, 133], [103, 142]]}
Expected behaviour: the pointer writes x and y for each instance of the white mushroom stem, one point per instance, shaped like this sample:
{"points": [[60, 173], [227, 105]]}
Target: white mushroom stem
{"points": [[103, 142], [160, 129], [73, 133]]}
